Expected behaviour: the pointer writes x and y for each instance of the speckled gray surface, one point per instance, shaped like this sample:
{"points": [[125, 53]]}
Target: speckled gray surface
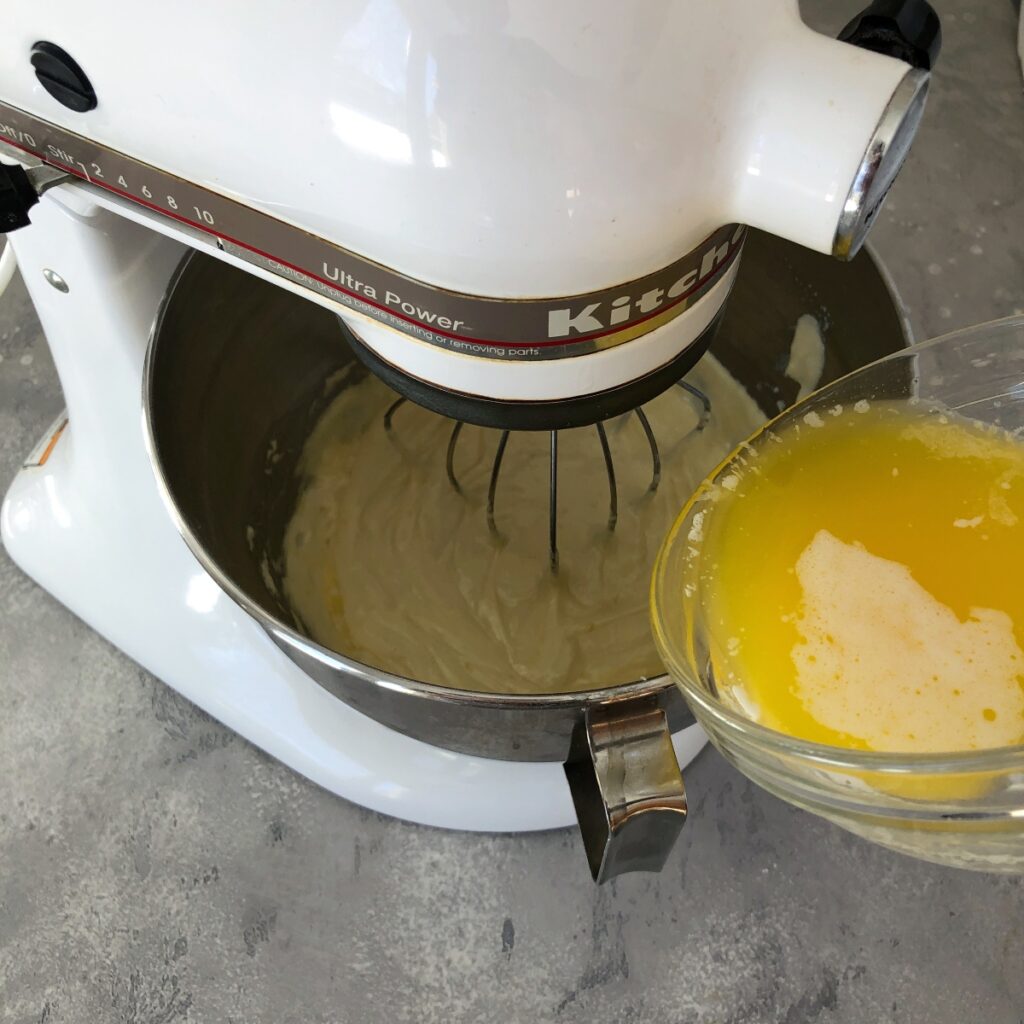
{"points": [[154, 868]]}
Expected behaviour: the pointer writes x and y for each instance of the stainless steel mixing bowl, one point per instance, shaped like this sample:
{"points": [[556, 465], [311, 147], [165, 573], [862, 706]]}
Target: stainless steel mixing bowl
{"points": [[235, 362]]}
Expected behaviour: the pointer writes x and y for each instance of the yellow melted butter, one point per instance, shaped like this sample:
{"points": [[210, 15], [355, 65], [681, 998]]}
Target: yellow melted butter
{"points": [[861, 580]]}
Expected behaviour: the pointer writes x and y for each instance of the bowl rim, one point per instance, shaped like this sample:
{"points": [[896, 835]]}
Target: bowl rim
{"points": [[746, 729]]}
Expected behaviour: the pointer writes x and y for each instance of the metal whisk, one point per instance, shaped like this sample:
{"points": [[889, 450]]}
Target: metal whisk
{"points": [[613, 496]]}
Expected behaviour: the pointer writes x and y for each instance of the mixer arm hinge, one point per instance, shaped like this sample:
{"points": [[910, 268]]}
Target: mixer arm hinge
{"points": [[908, 30]]}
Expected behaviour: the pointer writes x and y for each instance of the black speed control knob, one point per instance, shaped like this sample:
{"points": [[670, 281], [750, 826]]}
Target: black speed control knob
{"points": [[59, 74], [906, 29]]}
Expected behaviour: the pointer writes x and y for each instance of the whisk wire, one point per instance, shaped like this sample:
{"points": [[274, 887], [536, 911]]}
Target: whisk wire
{"points": [[609, 468], [655, 454], [553, 505], [705, 403], [392, 409], [449, 461], [493, 486]]}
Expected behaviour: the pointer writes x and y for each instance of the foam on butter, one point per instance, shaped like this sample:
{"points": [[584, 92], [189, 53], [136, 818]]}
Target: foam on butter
{"points": [[880, 658]]}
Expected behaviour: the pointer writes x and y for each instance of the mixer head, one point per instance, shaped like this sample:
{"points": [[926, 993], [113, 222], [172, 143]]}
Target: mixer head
{"points": [[545, 238], [641, 296]]}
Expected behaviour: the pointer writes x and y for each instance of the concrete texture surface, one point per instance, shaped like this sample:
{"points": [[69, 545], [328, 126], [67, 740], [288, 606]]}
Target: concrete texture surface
{"points": [[154, 868]]}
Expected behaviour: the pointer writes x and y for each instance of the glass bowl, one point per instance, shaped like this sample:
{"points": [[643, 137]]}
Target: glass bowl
{"points": [[964, 809]]}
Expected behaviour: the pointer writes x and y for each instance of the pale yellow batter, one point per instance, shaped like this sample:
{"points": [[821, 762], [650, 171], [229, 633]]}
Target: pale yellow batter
{"points": [[387, 564]]}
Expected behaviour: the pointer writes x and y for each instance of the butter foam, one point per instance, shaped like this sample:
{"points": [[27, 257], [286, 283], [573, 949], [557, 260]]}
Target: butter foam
{"points": [[881, 659]]}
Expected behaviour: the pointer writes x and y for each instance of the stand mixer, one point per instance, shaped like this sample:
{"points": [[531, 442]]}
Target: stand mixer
{"points": [[518, 217]]}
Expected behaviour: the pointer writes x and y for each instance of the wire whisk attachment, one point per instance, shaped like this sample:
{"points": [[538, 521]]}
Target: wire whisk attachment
{"points": [[694, 394]]}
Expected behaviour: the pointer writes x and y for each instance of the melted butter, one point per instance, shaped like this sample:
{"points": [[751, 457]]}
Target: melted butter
{"points": [[862, 582], [387, 564]]}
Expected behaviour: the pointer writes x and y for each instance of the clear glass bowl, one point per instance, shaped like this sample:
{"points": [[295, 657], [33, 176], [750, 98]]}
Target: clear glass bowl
{"points": [[964, 809]]}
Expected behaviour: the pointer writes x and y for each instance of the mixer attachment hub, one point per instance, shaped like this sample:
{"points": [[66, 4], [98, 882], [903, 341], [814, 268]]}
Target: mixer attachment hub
{"points": [[548, 414]]}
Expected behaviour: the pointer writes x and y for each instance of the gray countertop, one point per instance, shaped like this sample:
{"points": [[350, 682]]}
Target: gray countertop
{"points": [[156, 868]]}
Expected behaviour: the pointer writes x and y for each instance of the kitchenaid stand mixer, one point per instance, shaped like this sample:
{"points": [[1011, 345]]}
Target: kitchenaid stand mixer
{"points": [[486, 241]]}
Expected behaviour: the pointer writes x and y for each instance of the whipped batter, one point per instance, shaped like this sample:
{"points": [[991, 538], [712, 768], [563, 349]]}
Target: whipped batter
{"points": [[388, 564]]}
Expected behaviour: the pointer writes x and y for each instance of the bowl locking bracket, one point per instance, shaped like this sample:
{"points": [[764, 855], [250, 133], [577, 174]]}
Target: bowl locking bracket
{"points": [[626, 786]]}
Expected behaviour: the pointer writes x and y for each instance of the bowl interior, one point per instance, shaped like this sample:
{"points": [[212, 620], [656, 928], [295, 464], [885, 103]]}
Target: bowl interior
{"points": [[240, 371]]}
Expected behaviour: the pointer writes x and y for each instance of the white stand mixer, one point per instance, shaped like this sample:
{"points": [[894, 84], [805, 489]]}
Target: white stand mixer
{"points": [[495, 172]]}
